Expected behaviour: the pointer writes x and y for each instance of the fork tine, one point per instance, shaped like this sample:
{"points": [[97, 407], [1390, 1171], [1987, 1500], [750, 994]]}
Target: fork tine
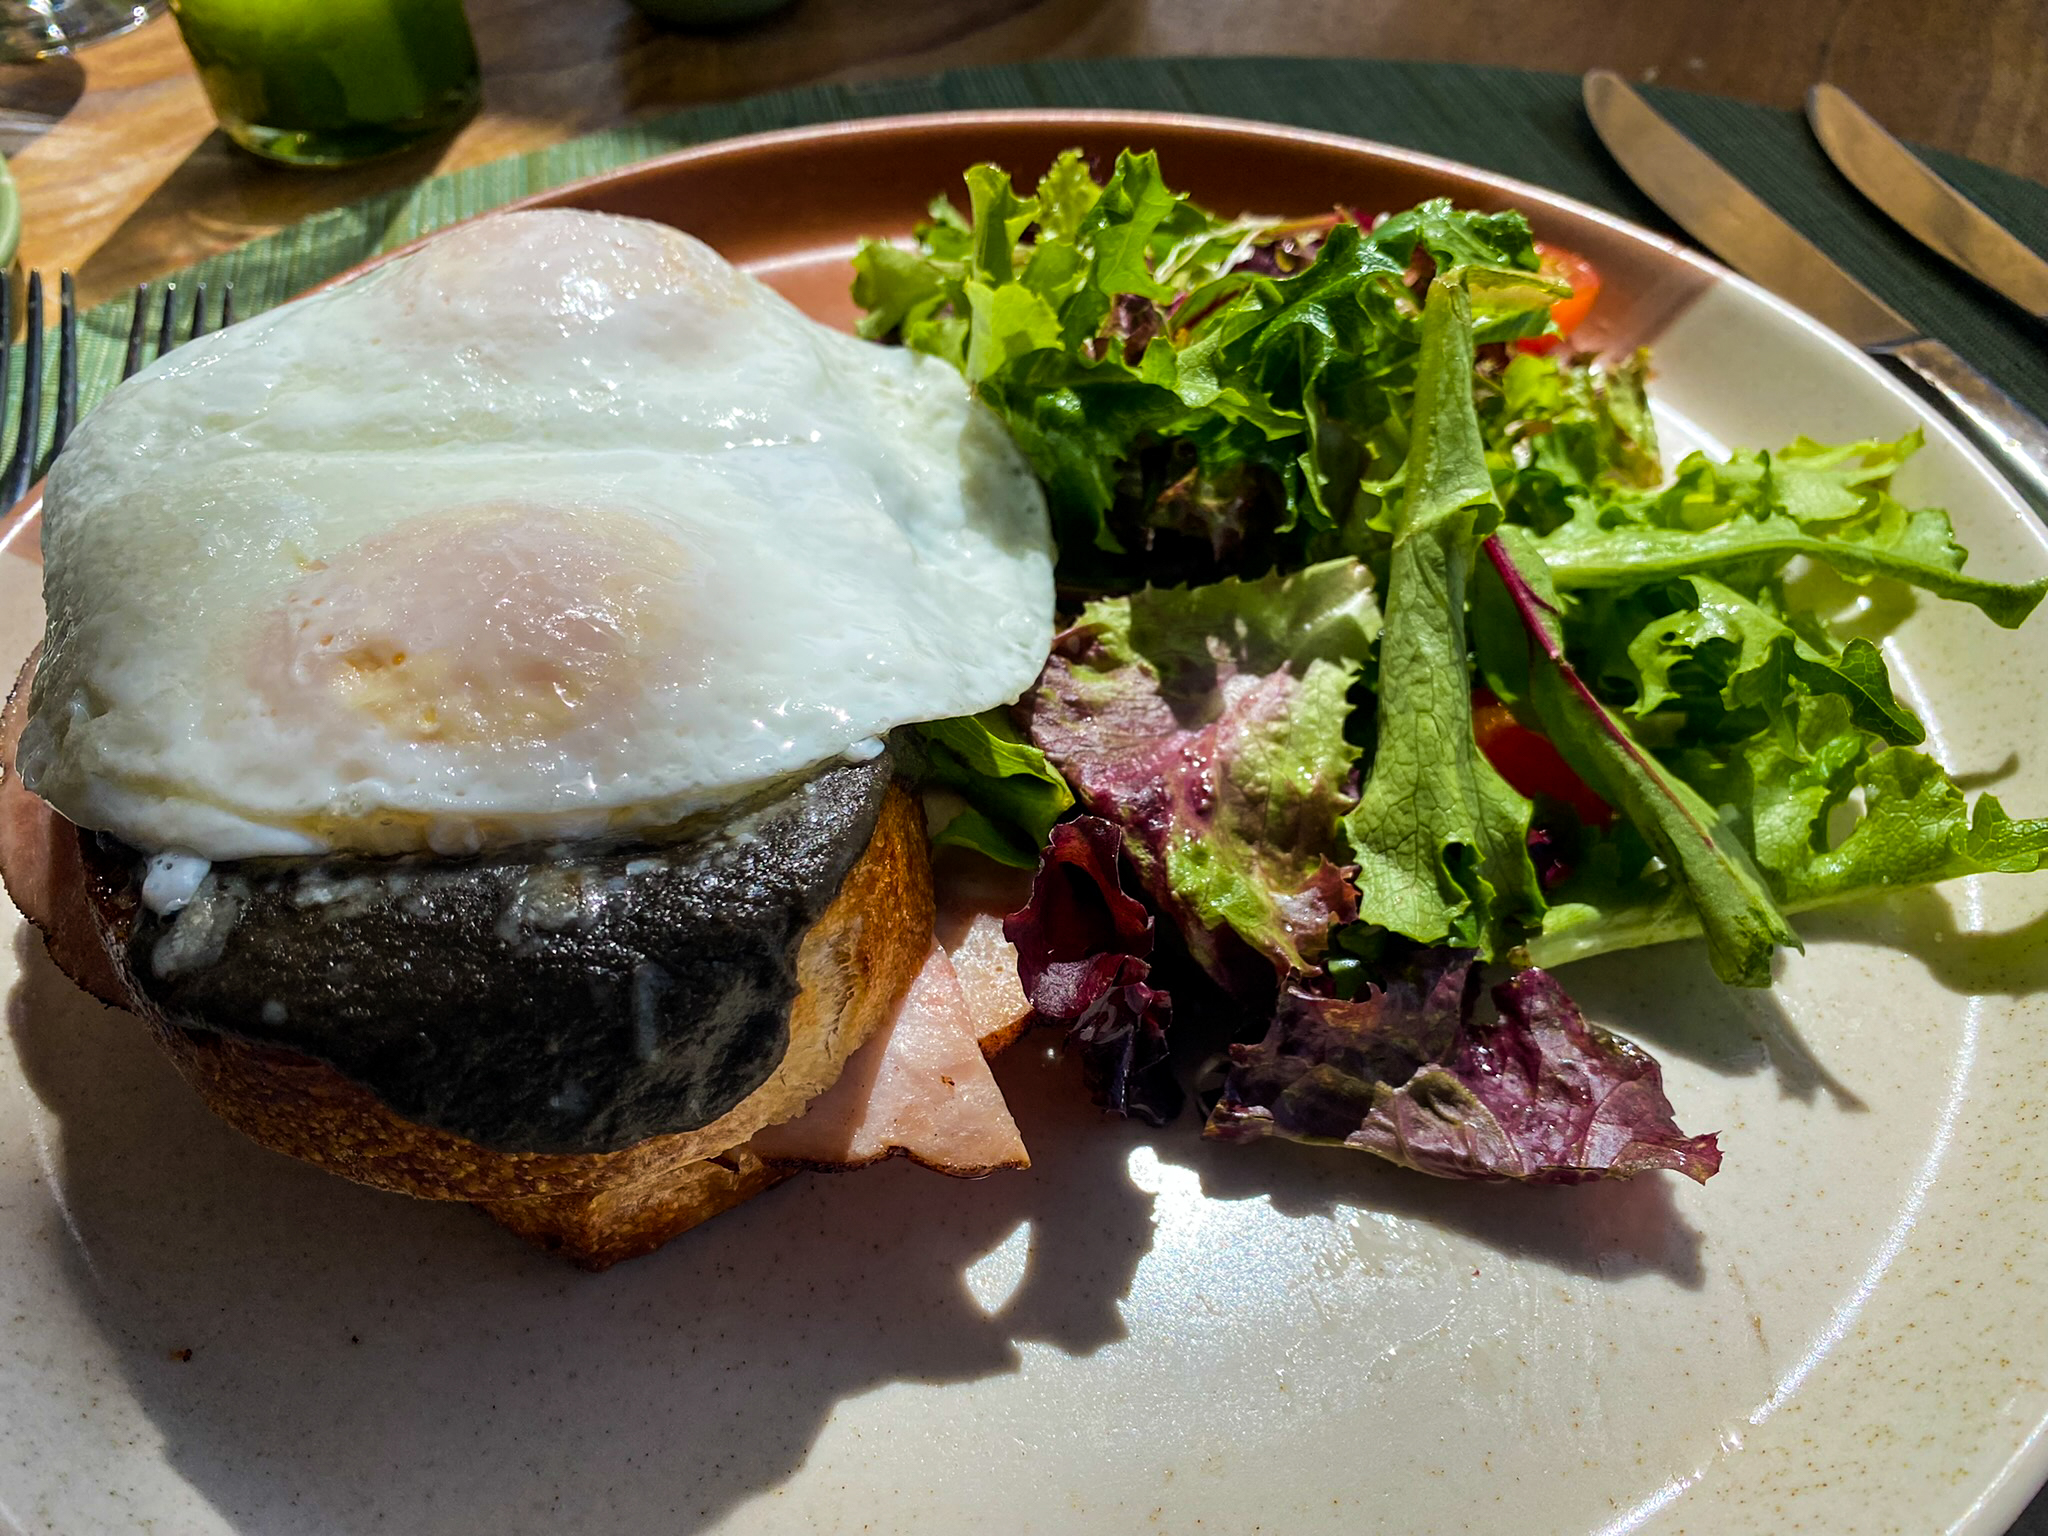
{"points": [[67, 367], [138, 327], [166, 335], [29, 428], [198, 314], [227, 305]]}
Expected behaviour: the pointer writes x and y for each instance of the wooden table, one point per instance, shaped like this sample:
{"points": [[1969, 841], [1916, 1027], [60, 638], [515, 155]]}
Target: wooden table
{"points": [[123, 175]]}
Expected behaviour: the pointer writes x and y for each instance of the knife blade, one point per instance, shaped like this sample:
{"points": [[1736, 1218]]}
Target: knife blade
{"points": [[1922, 204], [1747, 233]]}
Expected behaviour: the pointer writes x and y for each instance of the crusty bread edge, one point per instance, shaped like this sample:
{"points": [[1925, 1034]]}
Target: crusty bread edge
{"points": [[597, 1228], [42, 867]]}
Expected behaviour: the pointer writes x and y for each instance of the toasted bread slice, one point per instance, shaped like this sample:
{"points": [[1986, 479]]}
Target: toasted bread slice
{"points": [[853, 966], [598, 1228], [43, 868]]}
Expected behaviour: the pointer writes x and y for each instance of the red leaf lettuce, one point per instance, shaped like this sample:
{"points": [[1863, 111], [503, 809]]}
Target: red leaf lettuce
{"points": [[1208, 723], [1406, 1072], [1081, 943]]}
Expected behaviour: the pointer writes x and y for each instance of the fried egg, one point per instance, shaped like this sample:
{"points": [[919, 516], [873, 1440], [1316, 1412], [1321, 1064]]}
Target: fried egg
{"points": [[560, 528]]}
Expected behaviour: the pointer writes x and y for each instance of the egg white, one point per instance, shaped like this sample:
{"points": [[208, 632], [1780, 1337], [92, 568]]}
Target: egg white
{"points": [[559, 527]]}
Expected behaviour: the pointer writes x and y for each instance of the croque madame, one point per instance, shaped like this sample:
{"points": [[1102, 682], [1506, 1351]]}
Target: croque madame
{"points": [[465, 717]]}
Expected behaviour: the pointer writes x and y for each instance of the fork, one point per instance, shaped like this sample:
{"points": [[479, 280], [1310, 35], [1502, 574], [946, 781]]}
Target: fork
{"points": [[24, 465], [166, 330]]}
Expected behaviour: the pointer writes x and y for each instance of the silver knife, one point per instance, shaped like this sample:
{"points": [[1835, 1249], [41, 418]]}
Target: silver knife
{"points": [[1921, 203], [1739, 227]]}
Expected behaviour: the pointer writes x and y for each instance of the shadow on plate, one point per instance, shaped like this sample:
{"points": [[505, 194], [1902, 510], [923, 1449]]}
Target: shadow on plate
{"points": [[1610, 1230], [2009, 962], [1668, 1000], [356, 1357]]}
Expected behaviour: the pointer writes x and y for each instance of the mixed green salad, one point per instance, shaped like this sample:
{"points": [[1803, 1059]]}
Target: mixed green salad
{"points": [[1392, 656]]}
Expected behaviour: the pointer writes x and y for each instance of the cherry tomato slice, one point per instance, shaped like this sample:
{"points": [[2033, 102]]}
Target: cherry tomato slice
{"points": [[1569, 312], [1530, 764]]}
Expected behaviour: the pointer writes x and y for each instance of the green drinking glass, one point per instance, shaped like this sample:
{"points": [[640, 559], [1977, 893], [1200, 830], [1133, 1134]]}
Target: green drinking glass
{"points": [[332, 82]]}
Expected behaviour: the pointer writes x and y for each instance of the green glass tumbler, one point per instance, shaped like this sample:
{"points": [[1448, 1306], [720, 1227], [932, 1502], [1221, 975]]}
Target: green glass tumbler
{"points": [[332, 82]]}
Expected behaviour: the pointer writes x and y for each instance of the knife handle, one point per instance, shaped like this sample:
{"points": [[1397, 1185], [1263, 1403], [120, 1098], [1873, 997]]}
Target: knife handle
{"points": [[2013, 438]]}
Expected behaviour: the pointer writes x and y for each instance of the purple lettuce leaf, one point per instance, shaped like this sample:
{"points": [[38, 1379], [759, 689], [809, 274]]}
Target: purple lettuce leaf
{"points": [[1406, 1073], [1121, 1038], [1080, 927], [1134, 321], [1081, 944], [1208, 723]]}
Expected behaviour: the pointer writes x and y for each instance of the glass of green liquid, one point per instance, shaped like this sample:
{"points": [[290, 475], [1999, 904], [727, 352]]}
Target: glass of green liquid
{"points": [[332, 82]]}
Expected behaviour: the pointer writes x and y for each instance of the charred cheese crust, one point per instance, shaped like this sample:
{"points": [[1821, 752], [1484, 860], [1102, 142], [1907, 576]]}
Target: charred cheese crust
{"points": [[852, 967]]}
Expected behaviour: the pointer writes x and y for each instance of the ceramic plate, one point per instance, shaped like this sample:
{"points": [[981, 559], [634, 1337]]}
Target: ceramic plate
{"points": [[1845, 1331]]}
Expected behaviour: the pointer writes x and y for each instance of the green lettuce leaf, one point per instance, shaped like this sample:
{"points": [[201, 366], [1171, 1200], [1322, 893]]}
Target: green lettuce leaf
{"points": [[1066, 195], [1915, 827], [1572, 427], [1021, 321], [1205, 396], [1440, 840], [1753, 512], [1196, 394], [1751, 660], [1013, 794], [1455, 238], [1736, 909], [891, 284]]}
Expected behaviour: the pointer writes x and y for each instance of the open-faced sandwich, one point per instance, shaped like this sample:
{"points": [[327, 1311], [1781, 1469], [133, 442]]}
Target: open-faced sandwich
{"points": [[463, 730]]}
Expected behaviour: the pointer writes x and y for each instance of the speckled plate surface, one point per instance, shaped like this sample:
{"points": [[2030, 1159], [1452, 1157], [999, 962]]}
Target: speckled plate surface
{"points": [[1846, 1331]]}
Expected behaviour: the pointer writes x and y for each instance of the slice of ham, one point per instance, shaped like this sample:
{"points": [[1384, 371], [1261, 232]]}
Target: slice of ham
{"points": [[41, 866], [974, 895], [921, 1087], [986, 964]]}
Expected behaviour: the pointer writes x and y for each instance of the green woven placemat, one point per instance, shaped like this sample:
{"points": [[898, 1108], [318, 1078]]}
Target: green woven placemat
{"points": [[1523, 124]]}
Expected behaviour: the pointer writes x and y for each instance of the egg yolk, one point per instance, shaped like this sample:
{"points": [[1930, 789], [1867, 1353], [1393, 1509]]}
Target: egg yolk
{"points": [[499, 625]]}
